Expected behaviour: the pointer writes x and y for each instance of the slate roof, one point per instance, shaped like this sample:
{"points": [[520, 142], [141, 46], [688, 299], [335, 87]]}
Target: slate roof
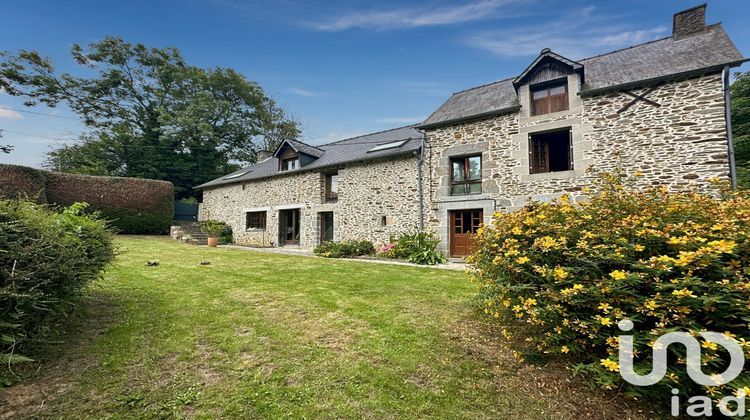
{"points": [[354, 149], [302, 148], [640, 64]]}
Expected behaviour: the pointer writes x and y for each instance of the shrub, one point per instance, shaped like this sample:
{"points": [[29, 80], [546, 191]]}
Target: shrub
{"points": [[344, 249], [667, 261], [417, 247], [46, 259], [217, 229]]}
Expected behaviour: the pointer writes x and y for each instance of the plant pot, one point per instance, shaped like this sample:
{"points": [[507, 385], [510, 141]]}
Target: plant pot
{"points": [[212, 242]]}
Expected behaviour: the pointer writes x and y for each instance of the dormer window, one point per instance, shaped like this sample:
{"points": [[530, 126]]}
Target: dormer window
{"points": [[549, 97], [290, 164]]}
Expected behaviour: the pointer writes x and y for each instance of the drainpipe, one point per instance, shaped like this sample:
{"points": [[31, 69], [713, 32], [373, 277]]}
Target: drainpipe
{"points": [[728, 118], [420, 161]]}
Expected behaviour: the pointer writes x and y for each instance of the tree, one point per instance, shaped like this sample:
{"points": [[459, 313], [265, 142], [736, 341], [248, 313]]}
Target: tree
{"points": [[5, 148], [151, 115], [740, 105]]}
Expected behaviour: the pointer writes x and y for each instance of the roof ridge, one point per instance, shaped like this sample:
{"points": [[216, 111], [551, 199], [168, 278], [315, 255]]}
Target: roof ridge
{"points": [[306, 144], [370, 134]]}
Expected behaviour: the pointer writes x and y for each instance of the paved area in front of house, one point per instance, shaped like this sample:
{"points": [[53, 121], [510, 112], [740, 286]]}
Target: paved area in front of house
{"points": [[450, 265]]}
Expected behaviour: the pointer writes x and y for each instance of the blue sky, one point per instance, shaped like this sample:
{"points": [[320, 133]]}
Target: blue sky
{"points": [[343, 68]]}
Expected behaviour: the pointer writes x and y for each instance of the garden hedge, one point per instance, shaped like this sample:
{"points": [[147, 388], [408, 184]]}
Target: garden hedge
{"points": [[131, 205], [47, 257]]}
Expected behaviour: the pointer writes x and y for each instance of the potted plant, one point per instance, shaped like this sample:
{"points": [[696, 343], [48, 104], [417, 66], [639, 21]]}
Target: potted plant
{"points": [[213, 229]]}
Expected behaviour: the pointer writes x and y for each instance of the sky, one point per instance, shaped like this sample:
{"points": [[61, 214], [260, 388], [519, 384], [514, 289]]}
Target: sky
{"points": [[342, 68]]}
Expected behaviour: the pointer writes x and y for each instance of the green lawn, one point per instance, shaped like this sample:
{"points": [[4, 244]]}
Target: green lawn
{"points": [[264, 335]]}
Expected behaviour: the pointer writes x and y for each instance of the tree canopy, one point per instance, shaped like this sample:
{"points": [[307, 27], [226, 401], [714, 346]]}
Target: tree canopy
{"points": [[740, 104], [150, 114]]}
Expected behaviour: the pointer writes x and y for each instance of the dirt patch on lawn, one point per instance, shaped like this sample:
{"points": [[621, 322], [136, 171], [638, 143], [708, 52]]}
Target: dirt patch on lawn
{"points": [[67, 359], [564, 396]]}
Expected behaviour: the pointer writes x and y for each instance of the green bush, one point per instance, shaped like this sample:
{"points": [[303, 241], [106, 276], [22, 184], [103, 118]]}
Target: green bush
{"points": [[217, 229], [416, 247], [344, 249], [567, 273], [46, 259]]}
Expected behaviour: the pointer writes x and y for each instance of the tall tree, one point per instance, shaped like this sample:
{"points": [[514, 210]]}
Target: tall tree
{"points": [[151, 115], [740, 106]]}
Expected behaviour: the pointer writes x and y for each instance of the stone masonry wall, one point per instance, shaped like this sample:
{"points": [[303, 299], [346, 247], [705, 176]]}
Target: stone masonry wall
{"points": [[680, 144], [367, 192]]}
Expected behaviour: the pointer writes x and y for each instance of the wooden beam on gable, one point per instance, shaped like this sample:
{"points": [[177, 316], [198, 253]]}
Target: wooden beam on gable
{"points": [[641, 97]]}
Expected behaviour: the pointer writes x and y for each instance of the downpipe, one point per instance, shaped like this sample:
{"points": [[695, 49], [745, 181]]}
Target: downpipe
{"points": [[728, 118]]}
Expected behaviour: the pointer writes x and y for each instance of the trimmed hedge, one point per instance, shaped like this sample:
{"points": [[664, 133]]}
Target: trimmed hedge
{"points": [[131, 205], [46, 259]]}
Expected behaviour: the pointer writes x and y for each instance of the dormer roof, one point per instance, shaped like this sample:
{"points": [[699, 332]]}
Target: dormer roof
{"points": [[550, 61]]}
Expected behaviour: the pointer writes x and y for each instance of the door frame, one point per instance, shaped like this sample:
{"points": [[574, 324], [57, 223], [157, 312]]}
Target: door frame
{"points": [[296, 222], [452, 229], [322, 226]]}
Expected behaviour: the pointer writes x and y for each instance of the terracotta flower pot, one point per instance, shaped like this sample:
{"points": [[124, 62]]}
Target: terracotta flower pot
{"points": [[212, 242]]}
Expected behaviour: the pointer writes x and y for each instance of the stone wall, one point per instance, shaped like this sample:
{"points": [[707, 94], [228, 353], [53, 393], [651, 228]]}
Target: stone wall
{"points": [[367, 192], [680, 144]]}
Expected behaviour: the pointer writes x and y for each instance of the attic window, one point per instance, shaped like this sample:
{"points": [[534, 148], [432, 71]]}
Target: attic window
{"points": [[289, 164], [548, 98], [237, 175], [385, 146]]}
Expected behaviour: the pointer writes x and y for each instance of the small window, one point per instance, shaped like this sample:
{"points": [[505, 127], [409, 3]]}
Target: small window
{"points": [[383, 220], [385, 146], [549, 98], [255, 220], [290, 164], [550, 152], [332, 187], [466, 175]]}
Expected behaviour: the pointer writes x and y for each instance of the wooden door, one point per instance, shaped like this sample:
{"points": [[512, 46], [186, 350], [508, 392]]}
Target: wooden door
{"points": [[463, 225], [289, 227]]}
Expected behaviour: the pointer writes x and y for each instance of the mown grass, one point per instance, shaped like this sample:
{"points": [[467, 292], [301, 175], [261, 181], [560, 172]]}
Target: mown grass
{"points": [[263, 335]]}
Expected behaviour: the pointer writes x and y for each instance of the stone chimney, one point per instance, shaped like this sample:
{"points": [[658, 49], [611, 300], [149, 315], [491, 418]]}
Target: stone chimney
{"points": [[263, 155], [689, 22]]}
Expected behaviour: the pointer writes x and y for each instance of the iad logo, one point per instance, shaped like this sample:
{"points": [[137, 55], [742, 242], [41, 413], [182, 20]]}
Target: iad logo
{"points": [[693, 362]]}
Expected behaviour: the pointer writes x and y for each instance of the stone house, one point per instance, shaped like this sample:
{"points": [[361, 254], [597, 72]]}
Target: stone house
{"points": [[658, 108]]}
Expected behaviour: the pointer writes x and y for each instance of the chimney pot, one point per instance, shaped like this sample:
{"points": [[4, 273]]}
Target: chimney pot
{"points": [[689, 21]]}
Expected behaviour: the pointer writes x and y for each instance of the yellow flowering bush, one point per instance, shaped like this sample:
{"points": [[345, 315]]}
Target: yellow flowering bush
{"points": [[568, 273]]}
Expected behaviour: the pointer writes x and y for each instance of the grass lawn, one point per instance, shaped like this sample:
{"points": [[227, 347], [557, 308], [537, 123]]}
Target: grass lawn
{"points": [[264, 335]]}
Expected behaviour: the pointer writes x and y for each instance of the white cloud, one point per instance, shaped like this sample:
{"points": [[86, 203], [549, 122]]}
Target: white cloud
{"points": [[304, 92], [575, 36], [9, 114], [400, 120], [414, 17]]}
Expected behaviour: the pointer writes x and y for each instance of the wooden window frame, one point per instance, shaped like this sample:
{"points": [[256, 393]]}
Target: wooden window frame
{"points": [[544, 106], [259, 224], [541, 164], [330, 195], [466, 182], [283, 164]]}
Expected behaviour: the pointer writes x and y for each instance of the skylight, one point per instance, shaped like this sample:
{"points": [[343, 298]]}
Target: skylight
{"points": [[237, 175], [390, 145]]}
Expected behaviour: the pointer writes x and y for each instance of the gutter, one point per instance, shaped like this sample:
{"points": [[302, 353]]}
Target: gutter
{"points": [[420, 161], [728, 118]]}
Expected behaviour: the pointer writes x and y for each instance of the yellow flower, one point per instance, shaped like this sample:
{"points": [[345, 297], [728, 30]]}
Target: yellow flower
{"points": [[516, 230], [610, 364], [577, 287], [560, 274], [605, 321], [639, 247], [529, 302], [522, 260], [605, 307], [564, 349], [618, 274], [723, 246], [683, 293], [742, 392], [651, 305], [709, 345]]}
